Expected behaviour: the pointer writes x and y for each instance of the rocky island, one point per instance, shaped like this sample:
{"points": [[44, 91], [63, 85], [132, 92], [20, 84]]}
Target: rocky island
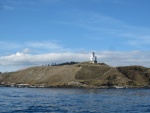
{"points": [[83, 75]]}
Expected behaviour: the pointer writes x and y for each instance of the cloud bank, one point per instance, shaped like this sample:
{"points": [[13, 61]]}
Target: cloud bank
{"points": [[22, 59]]}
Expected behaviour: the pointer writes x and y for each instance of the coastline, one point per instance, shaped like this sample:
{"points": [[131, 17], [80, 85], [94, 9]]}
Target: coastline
{"points": [[80, 87], [80, 75]]}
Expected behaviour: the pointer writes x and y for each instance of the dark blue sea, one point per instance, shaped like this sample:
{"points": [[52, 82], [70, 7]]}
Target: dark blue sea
{"points": [[67, 100]]}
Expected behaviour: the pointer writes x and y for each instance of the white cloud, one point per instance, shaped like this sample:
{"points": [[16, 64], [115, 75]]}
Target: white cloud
{"points": [[36, 47], [140, 40], [46, 45], [9, 45], [26, 50], [126, 58], [22, 60], [105, 26]]}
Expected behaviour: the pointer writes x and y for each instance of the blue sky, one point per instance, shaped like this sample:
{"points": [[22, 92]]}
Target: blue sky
{"points": [[37, 32]]}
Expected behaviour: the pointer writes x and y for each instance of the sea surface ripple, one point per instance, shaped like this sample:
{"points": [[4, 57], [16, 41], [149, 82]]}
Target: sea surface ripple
{"points": [[67, 100]]}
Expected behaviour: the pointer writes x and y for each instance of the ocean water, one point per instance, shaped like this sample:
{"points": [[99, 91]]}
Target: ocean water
{"points": [[61, 100]]}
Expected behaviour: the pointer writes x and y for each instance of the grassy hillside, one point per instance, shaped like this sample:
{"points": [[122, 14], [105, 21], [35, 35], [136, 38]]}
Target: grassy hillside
{"points": [[79, 75]]}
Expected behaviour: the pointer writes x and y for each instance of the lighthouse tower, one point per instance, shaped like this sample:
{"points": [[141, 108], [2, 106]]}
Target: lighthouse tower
{"points": [[93, 58]]}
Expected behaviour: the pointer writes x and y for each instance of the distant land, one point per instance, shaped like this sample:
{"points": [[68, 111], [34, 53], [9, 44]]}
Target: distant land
{"points": [[80, 75]]}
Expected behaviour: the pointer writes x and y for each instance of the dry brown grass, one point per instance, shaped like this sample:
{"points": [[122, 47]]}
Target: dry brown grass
{"points": [[82, 74]]}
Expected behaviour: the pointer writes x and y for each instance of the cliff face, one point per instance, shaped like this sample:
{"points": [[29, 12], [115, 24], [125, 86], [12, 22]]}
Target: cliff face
{"points": [[79, 75]]}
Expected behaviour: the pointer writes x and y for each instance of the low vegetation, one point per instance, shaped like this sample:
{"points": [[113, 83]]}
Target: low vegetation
{"points": [[73, 74]]}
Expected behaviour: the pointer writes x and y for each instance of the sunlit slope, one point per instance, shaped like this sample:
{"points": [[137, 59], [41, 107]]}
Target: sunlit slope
{"points": [[48, 75], [80, 75]]}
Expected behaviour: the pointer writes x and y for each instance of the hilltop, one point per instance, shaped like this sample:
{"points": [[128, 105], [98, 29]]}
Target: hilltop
{"points": [[82, 74]]}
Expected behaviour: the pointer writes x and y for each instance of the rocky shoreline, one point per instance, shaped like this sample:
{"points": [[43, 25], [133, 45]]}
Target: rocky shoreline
{"points": [[71, 86]]}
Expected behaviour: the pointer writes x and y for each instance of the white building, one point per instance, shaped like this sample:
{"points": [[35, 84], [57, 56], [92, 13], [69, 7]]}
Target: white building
{"points": [[93, 58]]}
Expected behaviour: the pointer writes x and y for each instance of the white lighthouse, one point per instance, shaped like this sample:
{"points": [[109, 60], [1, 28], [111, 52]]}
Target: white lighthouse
{"points": [[93, 58]]}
